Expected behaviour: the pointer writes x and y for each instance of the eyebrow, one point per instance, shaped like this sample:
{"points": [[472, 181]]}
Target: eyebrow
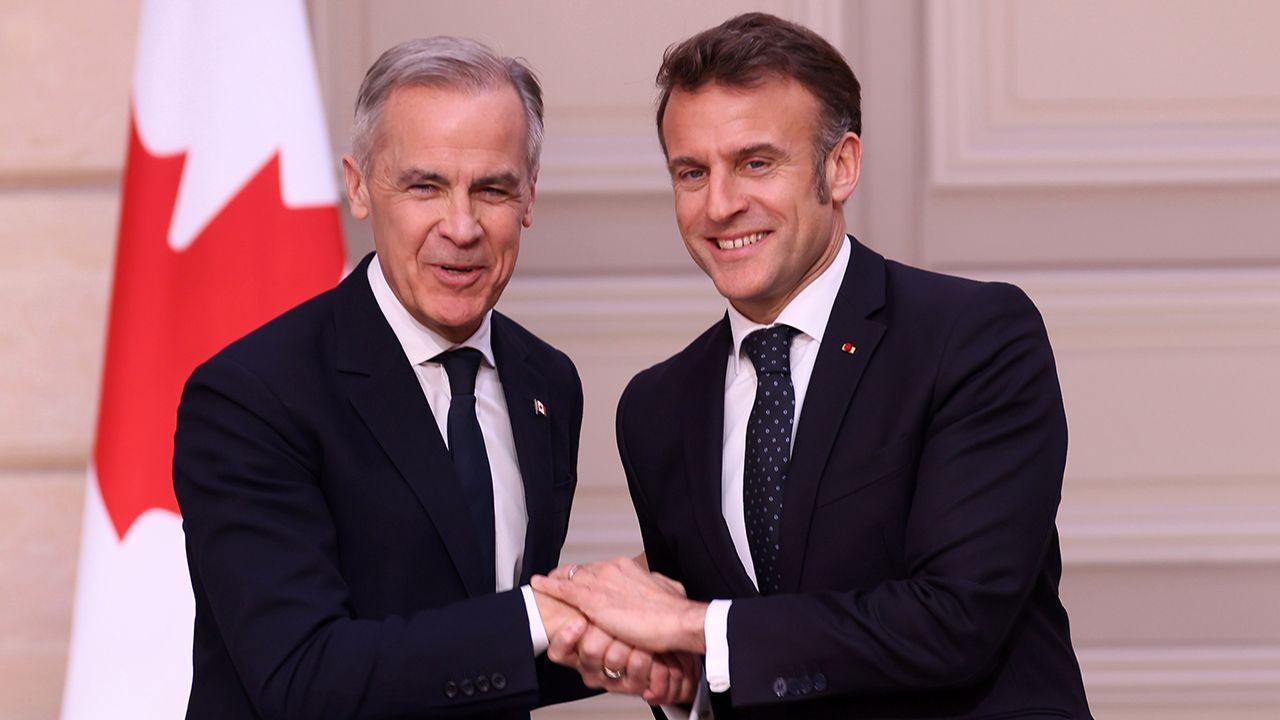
{"points": [[504, 179], [413, 176], [762, 148], [682, 161]]}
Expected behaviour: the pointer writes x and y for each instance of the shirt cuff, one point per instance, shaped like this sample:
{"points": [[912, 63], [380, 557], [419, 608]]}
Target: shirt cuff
{"points": [[716, 633], [537, 631]]}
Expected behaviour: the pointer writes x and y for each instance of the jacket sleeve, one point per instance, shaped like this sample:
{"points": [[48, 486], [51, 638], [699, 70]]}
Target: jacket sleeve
{"points": [[264, 558], [659, 556], [981, 520]]}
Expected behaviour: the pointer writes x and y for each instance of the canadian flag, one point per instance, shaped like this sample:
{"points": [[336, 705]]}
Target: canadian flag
{"points": [[228, 218]]}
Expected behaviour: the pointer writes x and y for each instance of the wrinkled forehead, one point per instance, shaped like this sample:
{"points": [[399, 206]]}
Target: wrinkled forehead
{"points": [[467, 129]]}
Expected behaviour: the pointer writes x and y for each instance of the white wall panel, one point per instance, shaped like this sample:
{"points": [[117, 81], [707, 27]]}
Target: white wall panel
{"points": [[1103, 92]]}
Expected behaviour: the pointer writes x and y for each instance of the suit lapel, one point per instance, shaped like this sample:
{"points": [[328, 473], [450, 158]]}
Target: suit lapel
{"points": [[835, 377], [384, 390], [522, 385], [703, 432]]}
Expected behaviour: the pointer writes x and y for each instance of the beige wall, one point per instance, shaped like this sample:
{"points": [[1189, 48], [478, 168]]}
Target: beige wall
{"points": [[64, 83], [1122, 166]]}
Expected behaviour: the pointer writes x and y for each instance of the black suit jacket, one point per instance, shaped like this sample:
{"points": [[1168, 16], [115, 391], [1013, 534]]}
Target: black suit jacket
{"points": [[334, 566], [920, 561]]}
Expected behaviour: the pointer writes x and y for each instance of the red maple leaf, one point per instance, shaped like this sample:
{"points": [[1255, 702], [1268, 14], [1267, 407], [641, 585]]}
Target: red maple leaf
{"points": [[170, 310]]}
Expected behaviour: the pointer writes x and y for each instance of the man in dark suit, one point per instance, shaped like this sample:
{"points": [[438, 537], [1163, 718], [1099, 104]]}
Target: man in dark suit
{"points": [[859, 493], [368, 482]]}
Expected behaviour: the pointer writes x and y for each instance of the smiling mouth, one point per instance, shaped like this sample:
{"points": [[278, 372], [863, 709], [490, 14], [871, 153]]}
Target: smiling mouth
{"points": [[741, 241], [459, 269]]}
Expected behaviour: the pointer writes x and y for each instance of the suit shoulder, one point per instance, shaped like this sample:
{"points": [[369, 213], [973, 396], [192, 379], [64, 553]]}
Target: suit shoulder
{"points": [[927, 296], [666, 376], [545, 352], [279, 344]]}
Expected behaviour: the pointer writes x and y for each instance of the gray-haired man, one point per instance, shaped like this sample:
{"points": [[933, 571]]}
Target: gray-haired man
{"points": [[368, 481]]}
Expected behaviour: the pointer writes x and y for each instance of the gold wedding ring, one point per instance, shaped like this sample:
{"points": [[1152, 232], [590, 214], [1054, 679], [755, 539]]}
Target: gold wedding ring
{"points": [[573, 569], [614, 674]]}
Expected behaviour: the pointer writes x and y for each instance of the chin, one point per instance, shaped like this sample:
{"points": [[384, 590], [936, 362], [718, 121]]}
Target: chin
{"points": [[737, 288], [452, 320]]}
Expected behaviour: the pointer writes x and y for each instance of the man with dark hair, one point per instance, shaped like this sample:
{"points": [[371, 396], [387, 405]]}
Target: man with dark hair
{"points": [[859, 490]]}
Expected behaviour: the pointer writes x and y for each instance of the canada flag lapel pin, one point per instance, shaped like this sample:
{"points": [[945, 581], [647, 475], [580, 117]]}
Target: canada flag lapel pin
{"points": [[539, 408]]}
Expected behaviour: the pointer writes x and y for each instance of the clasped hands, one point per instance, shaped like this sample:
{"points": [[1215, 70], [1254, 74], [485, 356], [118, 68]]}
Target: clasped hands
{"points": [[624, 629]]}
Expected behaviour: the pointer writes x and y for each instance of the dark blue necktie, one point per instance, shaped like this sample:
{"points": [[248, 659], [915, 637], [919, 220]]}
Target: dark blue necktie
{"points": [[466, 445], [764, 476]]}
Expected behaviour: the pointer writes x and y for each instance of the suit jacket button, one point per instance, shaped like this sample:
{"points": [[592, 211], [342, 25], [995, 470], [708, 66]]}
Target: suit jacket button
{"points": [[451, 689], [482, 683], [804, 685], [780, 687], [468, 688], [819, 682], [499, 681]]}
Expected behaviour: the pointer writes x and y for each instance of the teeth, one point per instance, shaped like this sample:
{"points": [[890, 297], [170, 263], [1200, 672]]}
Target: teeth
{"points": [[740, 242]]}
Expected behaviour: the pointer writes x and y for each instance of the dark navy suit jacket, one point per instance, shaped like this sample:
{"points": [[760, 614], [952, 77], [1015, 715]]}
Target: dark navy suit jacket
{"points": [[920, 559], [334, 566]]}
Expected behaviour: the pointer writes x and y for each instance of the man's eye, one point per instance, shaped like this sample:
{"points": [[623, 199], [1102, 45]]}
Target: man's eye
{"points": [[692, 175], [493, 192], [757, 164]]}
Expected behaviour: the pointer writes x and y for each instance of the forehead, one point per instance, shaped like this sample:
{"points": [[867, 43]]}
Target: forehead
{"points": [[420, 124], [717, 118]]}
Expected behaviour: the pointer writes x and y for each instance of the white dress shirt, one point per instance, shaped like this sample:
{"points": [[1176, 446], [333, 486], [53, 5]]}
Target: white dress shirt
{"points": [[510, 518], [808, 312]]}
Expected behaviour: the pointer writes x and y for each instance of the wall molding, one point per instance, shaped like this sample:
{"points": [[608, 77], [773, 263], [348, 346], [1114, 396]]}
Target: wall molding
{"points": [[983, 134], [1195, 676], [1170, 520]]}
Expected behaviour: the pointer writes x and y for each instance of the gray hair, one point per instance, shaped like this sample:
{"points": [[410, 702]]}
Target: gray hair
{"points": [[447, 62]]}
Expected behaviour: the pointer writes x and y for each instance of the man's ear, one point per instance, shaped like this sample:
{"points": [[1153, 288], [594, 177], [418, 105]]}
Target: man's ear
{"points": [[357, 187], [527, 220], [844, 166]]}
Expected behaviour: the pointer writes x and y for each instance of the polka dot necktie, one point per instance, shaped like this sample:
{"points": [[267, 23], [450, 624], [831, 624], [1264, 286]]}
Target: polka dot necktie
{"points": [[768, 448]]}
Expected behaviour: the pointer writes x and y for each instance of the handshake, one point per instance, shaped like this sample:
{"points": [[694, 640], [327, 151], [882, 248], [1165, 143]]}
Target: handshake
{"points": [[624, 629]]}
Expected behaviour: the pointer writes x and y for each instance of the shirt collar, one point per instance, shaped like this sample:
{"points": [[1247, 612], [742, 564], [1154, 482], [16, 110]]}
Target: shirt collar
{"points": [[419, 342], [807, 312]]}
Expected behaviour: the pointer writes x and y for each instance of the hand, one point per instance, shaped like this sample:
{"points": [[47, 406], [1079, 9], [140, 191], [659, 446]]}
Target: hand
{"points": [[661, 680], [642, 609], [556, 615]]}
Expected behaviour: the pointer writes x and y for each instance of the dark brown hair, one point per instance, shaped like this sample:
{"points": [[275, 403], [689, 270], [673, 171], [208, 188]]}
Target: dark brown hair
{"points": [[749, 49]]}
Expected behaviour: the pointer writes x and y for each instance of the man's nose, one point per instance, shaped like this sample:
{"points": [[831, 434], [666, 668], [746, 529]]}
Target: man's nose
{"points": [[724, 198], [461, 226]]}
